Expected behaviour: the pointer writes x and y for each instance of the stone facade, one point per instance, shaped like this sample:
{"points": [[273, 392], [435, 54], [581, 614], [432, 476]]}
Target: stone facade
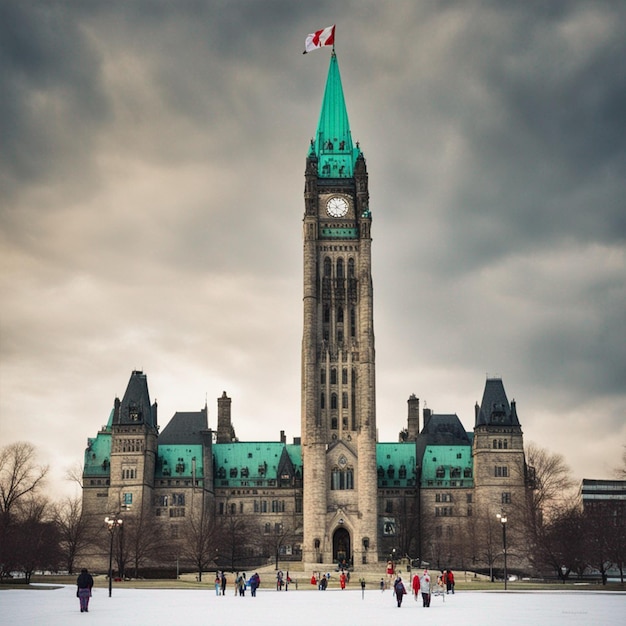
{"points": [[335, 495]]}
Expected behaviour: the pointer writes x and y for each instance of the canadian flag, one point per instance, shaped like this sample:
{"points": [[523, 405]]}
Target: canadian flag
{"points": [[324, 37]]}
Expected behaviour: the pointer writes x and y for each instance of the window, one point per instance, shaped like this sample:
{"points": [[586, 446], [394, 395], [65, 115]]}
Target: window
{"points": [[127, 499], [467, 472], [501, 471], [177, 512], [344, 376], [323, 376], [342, 479], [268, 528], [455, 472], [389, 506], [340, 315], [441, 472], [278, 506], [333, 376], [339, 268], [326, 266], [344, 400], [322, 401], [333, 401], [162, 501], [506, 498], [443, 511], [178, 499], [468, 498]]}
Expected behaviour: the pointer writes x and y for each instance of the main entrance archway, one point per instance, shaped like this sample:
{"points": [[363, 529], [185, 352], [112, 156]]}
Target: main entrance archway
{"points": [[341, 547]]}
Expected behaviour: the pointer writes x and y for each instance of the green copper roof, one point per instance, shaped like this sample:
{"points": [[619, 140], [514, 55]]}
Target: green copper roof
{"points": [[333, 143], [396, 464], [447, 466], [179, 461], [255, 463]]}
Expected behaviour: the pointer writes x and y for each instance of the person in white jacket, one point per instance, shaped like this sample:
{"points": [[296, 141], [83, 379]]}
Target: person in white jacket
{"points": [[425, 587]]}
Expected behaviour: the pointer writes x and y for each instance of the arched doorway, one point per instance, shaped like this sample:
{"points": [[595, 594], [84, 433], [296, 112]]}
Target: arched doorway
{"points": [[341, 546]]}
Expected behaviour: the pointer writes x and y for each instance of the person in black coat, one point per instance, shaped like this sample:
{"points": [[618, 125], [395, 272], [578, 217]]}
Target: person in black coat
{"points": [[84, 582]]}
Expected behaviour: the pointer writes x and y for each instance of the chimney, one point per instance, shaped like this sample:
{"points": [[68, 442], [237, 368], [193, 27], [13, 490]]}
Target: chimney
{"points": [[224, 426], [413, 420]]}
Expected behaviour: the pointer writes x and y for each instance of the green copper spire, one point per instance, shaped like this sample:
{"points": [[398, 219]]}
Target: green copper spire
{"points": [[333, 144]]}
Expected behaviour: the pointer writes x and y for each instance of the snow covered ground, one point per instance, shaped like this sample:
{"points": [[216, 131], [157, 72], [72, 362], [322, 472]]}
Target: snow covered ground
{"points": [[310, 607]]}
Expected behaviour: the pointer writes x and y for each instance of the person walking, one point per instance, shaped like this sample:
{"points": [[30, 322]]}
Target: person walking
{"points": [[399, 590], [425, 588], [218, 583], [449, 581], [254, 581], [224, 581], [84, 582], [342, 580], [415, 586]]}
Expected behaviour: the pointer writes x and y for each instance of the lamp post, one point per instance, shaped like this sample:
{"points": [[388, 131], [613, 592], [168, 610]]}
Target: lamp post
{"points": [[503, 520], [112, 523]]}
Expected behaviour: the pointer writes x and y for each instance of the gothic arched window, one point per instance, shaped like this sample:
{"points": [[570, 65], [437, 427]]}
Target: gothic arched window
{"points": [[327, 266], [339, 268]]}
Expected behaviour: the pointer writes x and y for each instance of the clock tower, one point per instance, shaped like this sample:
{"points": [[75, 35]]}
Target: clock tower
{"points": [[338, 358]]}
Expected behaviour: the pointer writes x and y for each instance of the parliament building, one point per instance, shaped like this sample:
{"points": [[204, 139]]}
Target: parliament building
{"points": [[335, 494]]}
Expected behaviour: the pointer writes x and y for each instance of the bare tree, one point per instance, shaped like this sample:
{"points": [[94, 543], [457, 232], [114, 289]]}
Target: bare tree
{"points": [[19, 475], [200, 540], [20, 480], [620, 472], [549, 498], [143, 539], [73, 529], [552, 482], [74, 473]]}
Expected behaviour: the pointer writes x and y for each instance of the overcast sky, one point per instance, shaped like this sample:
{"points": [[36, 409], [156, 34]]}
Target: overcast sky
{"points": [[151, 198]]}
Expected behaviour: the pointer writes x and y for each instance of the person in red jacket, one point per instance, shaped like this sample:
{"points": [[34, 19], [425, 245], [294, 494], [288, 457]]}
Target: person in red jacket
{"points": [[449, 581], [415, 585]]}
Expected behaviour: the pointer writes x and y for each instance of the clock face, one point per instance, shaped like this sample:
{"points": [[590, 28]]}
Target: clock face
{"points": [[337, 206]]}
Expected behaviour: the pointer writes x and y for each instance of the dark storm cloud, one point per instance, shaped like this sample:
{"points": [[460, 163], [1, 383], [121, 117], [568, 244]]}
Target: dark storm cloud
{"points": [[50, 85], [152, 163]]}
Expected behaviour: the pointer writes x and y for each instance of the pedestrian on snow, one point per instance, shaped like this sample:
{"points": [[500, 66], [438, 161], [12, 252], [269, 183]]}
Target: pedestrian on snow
{"points": [[279, 580], [241, 584], [342, 580], [415, 585], [449, 581], [323, 583], [313, 579], [399, 590], [255, 582], [425, 587], [223, 582], [218, 583], [382, 584], [84, 582]]}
